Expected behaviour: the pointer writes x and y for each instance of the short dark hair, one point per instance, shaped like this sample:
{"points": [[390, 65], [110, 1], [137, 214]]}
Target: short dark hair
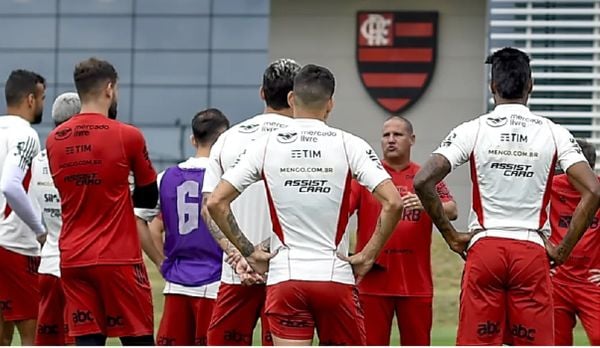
{"points": [[589, 152], [511, 72], [314, 86], [208, 124], [21, 83], [403, 119], [278, 81], [91, 74]]}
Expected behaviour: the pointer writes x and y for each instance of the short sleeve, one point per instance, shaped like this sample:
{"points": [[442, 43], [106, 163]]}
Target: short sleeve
{"points": [[23, 146], [248, 166], [459, 144], [567, 149], [137, 154], [214, 169], [443, 192], [364, 164]]}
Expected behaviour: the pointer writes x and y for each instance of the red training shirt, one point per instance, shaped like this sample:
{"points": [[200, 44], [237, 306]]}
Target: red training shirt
{"points": [[586, 254], [404, 266], [90, 159]]}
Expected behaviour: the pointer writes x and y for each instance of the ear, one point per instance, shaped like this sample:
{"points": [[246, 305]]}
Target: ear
{"points": [[530, 86], [493, 87], [193, 140], [291, 99], [109, 90], [261, 92], [31, 100], [413, 139]]}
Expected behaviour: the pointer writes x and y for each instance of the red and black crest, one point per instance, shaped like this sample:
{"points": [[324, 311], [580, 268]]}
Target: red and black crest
{"points": [[396, 52]]}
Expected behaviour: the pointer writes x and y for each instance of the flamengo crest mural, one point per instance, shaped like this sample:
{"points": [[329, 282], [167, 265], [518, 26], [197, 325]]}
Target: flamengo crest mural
{"points": [[395, 54]]}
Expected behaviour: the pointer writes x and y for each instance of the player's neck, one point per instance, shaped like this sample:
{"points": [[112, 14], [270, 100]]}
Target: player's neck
{"points": [[310, 114], [500, 101], [94, 108], [283, 112], [202, 152], [397, 164], [18, 111]]}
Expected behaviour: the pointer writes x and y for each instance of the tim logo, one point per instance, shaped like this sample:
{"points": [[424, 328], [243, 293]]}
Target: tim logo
{"points": [[513, 137], [496, 121], [249, 128], [396, 54], [63, 133], [523, 332], [80, 317], [488, 328], [238, 337], [287, 137], [306, 153]]}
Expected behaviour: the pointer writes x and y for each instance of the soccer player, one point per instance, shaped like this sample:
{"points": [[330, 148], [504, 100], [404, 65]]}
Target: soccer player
{"points": [[238, 307], [192, 268], [512, 153], [20, 225], [102, 272], [576, 291], [307, 169], [51, 324], [401, 282]]}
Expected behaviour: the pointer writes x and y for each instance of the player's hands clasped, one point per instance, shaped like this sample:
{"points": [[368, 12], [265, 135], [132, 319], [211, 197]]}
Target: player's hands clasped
{"points": [[259, 260]]}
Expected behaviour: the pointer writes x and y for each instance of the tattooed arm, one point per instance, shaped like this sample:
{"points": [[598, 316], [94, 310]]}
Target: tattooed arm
{"points": [[434, 170], [219, 207], [221, 239]]}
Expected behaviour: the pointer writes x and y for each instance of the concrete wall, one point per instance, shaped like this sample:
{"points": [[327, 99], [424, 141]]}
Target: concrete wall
{"points": [[324, 33]]}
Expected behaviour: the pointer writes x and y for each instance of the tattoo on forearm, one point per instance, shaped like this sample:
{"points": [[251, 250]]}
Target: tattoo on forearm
{"points": [[214, 230], [237, 237]]}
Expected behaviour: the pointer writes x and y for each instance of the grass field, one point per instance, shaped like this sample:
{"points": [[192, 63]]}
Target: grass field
{"points": [[447, 268]]}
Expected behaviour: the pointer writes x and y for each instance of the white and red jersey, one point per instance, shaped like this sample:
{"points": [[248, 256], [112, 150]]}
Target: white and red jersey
{"points": [[19, 144], [250, 209], [512, 153], [45, 199], [307, 168]]}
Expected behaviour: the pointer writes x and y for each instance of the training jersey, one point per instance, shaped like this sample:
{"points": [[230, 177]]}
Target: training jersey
{"points": [[307, 169], [250, 208], [404, 265], [19, 144], [90, 159], [193, 258], [46, 200], [586, 254], [512, 153]]}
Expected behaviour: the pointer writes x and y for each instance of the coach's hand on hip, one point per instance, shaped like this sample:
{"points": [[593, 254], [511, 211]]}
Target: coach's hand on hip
{"points": [[460, 242]]}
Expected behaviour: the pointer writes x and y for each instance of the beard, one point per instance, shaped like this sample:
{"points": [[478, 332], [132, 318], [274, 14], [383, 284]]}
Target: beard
{"points": [[37, 117], [112, 110]]}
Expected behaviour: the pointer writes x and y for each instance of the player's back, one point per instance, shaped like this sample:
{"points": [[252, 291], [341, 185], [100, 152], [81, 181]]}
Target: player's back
{"points": [[90, 162], [16, 134], [513, 158], [586, 254], [308, 175], [193, 258]]}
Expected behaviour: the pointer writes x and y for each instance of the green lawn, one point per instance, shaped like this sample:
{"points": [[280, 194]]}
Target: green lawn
{"points": [[447, 269]]}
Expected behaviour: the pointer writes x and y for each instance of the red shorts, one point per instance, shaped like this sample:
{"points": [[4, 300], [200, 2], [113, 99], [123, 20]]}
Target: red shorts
{"points": [[113, 300], [506, 289], [184, 321], [576, 300], [379, 312], [19, 294], [235, 315], [52, 327], [294, 308]]}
